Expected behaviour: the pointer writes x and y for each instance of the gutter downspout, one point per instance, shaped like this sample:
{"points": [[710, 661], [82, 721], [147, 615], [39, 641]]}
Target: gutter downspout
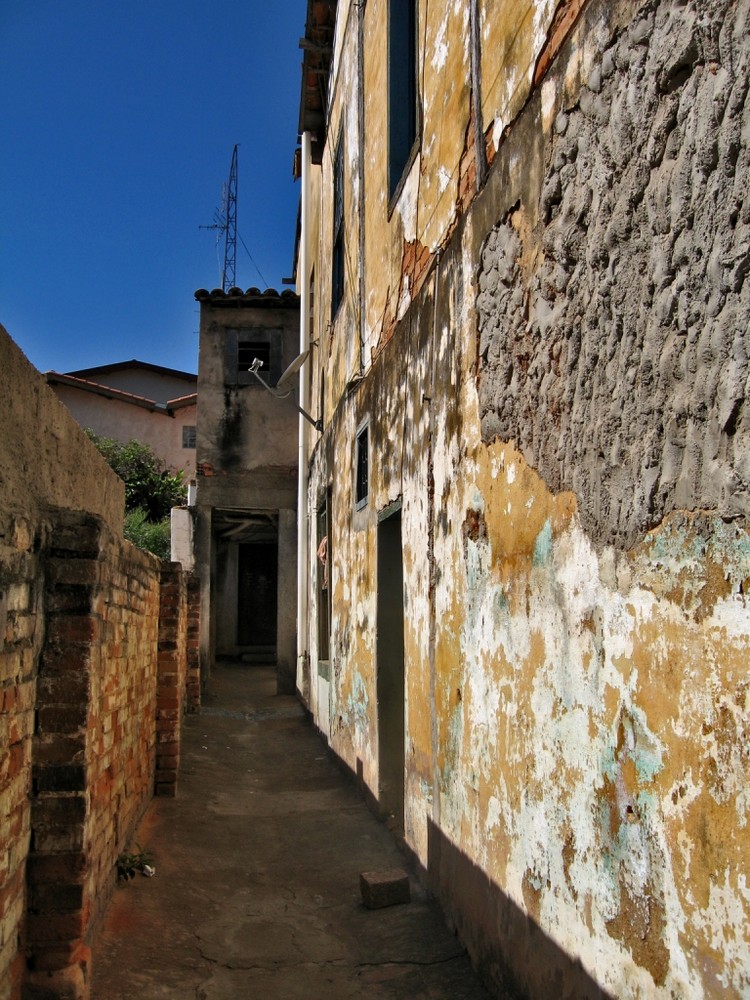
{"points": [[480, 152], [303, 654], [361, 157]]}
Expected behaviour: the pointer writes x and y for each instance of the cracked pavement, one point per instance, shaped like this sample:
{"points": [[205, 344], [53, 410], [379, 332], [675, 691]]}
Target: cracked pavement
{"points": [[257, 885]]}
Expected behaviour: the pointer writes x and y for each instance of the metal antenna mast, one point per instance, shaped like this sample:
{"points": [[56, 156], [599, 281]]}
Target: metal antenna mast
{"points": [[225, 220], [229, 274]]}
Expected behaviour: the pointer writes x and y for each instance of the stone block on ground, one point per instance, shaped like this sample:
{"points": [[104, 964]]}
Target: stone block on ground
{"points": [[385, 888]]}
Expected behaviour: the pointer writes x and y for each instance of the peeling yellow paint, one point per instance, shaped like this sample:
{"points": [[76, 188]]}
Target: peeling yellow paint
{"points": [[577, 716]]}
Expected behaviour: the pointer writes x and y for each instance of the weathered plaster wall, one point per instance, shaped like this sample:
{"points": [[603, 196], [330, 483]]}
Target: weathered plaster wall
{"points": [[347, 694], [341, 354], [560, 411], [401, 237], [241, 428], [125, 422], [43, 445], [143, 382], [247, 462]]}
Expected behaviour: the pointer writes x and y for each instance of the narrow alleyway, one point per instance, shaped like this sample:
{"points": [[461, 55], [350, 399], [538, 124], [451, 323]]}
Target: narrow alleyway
{"points": [[257, 885]]}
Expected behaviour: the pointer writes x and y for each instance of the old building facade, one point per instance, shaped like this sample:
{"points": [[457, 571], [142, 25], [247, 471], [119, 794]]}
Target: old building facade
{"points": [[246, 498], [523, 527], [135, 400]]}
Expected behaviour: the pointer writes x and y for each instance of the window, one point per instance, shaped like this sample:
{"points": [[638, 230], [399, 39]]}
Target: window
{"points": [[337, 260], [243, 346], [403, 90], [361, 483], [249, 350], [188, 436]]}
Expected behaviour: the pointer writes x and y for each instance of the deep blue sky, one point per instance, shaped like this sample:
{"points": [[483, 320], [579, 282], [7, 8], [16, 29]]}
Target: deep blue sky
{"points": [[117, 123]]}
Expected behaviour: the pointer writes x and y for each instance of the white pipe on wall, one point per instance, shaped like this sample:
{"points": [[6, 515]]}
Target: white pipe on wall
{"points": [[303, 282]]}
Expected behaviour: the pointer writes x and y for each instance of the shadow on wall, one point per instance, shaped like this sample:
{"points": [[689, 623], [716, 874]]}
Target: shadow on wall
{"points": [[504, 942]]}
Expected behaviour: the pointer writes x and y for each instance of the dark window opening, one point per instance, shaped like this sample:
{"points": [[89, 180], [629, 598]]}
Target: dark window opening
{"points": [[243, 346], [322, 395], [337, 261], [403, 90], [249, 350], [361, 486], [188, 436]]}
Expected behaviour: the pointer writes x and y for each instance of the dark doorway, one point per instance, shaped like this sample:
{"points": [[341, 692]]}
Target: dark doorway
{"points": [[324, 589], [390, 665], [256, 594]]}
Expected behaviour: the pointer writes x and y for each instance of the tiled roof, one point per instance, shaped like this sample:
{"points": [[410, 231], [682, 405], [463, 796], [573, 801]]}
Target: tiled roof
{"points": [[119, 366], [317, 49], [85, 385], [270, 298], [181, 401]]}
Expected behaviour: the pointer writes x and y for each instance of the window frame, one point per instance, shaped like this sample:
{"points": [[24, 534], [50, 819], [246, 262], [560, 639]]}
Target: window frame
{"points": [[403, 81], [338, 244], [323, 587], [362, 458], [259, 335]]}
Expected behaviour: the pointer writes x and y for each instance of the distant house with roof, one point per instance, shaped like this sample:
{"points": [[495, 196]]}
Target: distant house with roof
{"points": [[136, 400]]}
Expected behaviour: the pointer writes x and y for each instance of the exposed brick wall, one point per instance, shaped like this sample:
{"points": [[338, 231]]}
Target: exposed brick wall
{"points": [[193, 681], [18, 649], [82, 648], [58, 866], [171, 675], [95, 740], [110, 695], [93, 686], [121, 752]]}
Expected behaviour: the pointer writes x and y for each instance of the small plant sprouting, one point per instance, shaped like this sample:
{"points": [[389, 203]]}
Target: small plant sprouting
{"points": [[130, 862]]}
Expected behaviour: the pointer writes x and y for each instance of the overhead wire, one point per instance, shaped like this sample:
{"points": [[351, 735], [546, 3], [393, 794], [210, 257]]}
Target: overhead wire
{"points": [[239, 237]]}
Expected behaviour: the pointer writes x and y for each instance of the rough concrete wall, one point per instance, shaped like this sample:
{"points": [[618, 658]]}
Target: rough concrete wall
{"points": [[316, 682], [446, 94], [614, 342]]}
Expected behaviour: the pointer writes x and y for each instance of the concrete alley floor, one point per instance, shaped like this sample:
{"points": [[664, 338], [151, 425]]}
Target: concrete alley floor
{"points": [[257, 887]]}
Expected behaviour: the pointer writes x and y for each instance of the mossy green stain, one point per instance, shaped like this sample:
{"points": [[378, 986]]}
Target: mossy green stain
{"points": [[543, 545]]}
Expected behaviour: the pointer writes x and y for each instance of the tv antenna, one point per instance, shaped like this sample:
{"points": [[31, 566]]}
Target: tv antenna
{"points": [[225, 221]]}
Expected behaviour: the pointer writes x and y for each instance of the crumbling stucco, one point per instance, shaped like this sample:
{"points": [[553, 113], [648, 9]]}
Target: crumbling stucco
{"points": [[575, 699], [614, 348]]}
